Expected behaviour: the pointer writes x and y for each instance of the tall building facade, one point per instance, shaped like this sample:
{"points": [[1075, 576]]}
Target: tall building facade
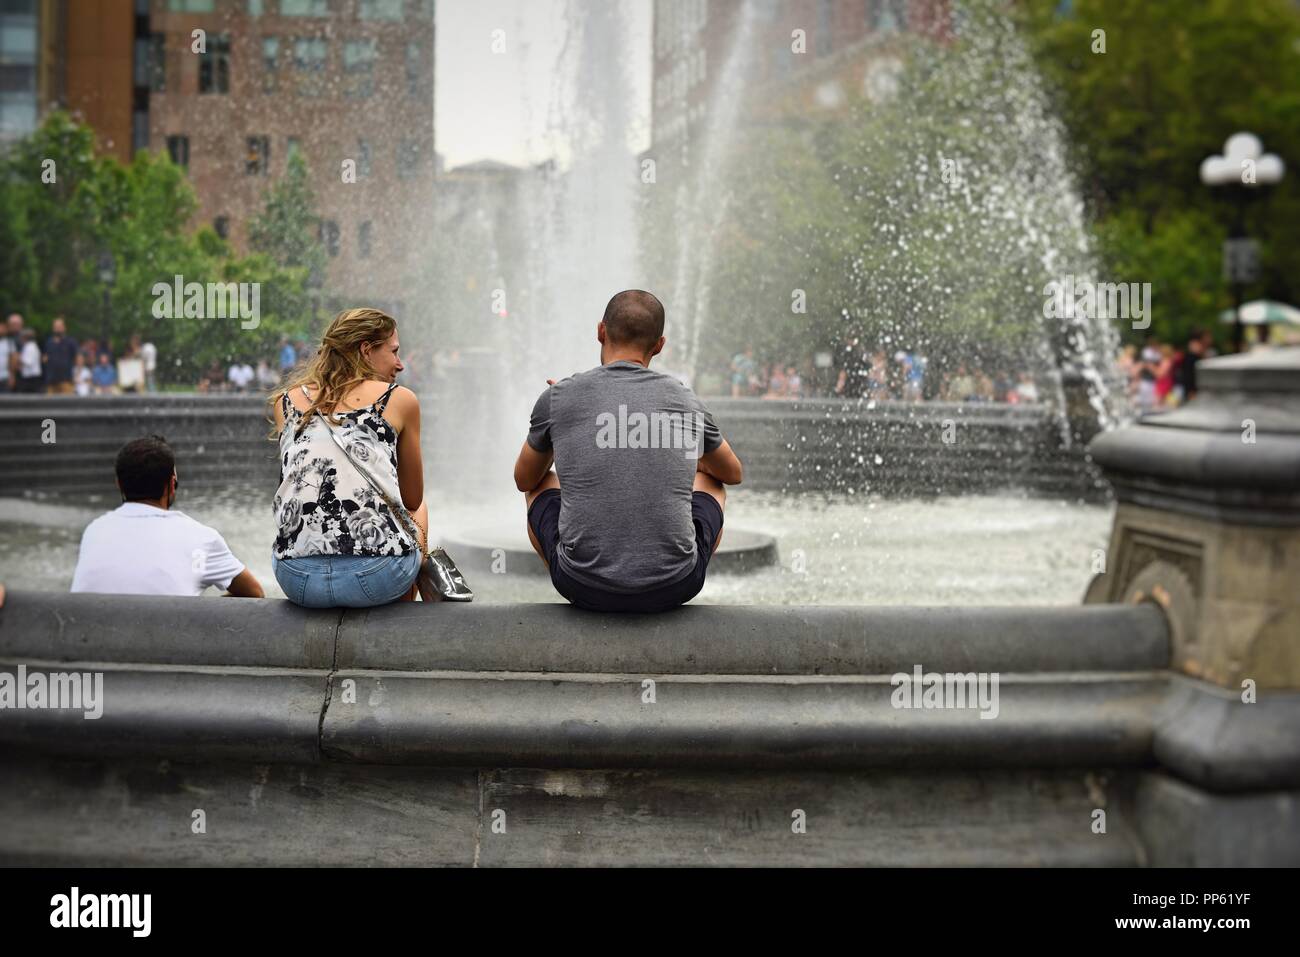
{"points": [[232, 88], [29, 36], [348, 84], [805, 56]]}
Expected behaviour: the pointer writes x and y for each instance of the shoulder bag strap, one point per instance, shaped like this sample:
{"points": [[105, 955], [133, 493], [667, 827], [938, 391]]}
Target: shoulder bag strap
{"points": [[397, 508]]}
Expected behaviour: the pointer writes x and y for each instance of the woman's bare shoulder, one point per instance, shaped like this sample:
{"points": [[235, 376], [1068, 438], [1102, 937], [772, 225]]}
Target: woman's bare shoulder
{"points": [[300, 401], [403, 408]]}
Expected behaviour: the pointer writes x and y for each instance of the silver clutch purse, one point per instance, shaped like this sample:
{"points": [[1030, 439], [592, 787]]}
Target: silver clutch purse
{"points": [[441, 580]]}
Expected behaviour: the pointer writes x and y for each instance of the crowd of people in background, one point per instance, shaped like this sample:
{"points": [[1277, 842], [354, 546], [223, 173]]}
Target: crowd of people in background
{"points": [[903, 376], [242, 376], [61, 365], [1159, 375]]}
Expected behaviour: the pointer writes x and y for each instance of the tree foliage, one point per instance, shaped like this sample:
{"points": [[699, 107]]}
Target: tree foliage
{"points": [[1066, 162], [52, 234], [1175, 81]]}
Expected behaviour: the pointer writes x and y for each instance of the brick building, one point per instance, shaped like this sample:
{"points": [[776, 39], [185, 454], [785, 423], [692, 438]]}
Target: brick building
{"points": [[849, 47], [336, 80]]}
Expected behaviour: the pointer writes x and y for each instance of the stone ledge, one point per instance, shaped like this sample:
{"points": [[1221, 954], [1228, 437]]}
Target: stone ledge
{"points": [[1208, 735], [696, 639], [574, 721], [458, 719]]}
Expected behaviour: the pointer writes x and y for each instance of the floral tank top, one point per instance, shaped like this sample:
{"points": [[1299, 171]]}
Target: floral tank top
{"points": [[334, 503]]}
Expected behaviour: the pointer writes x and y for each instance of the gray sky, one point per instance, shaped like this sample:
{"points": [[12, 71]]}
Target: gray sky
{"points": [[495, 105]]}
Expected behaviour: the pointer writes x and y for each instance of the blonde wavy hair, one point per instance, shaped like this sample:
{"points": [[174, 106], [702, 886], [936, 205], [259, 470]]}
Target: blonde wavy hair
{"points": [[338, 365]]}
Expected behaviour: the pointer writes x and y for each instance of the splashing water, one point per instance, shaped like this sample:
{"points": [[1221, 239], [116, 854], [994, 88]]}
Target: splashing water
{"points": [[924, 210]]}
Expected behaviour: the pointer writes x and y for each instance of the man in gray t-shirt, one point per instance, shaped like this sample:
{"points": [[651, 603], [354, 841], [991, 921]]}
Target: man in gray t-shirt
{"points": [[633, 511]]}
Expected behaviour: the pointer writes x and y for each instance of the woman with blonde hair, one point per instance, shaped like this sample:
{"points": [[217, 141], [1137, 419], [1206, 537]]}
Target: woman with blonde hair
{"points": [[352, 524]]}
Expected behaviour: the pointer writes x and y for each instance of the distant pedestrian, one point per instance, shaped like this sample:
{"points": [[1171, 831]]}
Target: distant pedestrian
{"points": [[1026, 390], [1194, 353], [241, 376], [30, 376], [104, 375], [915, 385], [1146, 375], [59, 354], [149, 353], [212, 380], [11, 344], [266, 377], [793, 383], [82, 378], [288, 356], [743, 370]]}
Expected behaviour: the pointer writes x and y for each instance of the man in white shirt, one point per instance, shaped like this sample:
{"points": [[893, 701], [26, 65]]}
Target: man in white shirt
{"points": [[10, 346], [149, 353], [241, 376], [145, 547]]}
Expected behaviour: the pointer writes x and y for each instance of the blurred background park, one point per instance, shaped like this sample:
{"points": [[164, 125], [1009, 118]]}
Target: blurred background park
{"points": [[225, 166], [854, 210]]}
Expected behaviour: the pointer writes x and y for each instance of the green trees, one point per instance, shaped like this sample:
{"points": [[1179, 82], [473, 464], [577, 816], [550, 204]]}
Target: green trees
{"points": [[1175, 81], [61, 207], [285, 229], [1004, 156], [924, 218]]}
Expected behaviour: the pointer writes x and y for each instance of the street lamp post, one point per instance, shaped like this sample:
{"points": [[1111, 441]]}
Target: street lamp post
{"points": [[1240, 172], [107, 276]]}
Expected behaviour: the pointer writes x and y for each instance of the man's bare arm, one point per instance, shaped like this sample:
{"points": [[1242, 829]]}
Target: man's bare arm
{"points": [[531, 467], [244, 585], [722, 464]]}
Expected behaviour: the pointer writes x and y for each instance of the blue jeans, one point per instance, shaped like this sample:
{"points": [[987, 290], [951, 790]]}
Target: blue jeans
{"points": [[346, 581]]}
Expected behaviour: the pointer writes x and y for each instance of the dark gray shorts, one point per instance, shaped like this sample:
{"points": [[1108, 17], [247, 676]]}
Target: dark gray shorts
{"points": [[544, 520]]}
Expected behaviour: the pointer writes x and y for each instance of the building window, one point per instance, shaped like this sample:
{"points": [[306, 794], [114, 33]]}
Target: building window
{"points": [[886, 16], [329, 236], [256, 8], [157, 63], [309, 59], [178, 148], [825, 40], [258, 160], [363, 157], [190, 6], [359, 67], [408, 158], [414, 69], [304, 8], [270, 64], [221, 225], [214, 66], [380, 9], [18, 53], [139, 130], [363, 240], [139, 64]]}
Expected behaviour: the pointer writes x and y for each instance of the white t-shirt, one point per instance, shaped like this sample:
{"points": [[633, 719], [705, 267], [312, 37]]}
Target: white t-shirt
{"points": [[149, 352], [139, 549], [241, 375], [29, 361]]}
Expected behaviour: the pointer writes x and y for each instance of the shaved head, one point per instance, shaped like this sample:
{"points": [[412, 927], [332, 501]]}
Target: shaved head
{"points": [[634, 318]]}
